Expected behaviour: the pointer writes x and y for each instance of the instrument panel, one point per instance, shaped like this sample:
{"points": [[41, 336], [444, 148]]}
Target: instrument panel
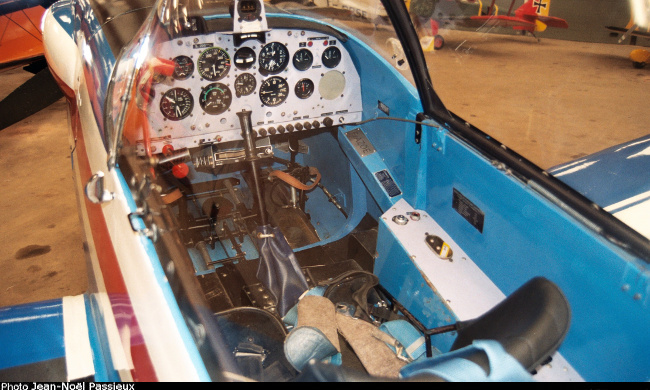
{"points": [[296, 80]]}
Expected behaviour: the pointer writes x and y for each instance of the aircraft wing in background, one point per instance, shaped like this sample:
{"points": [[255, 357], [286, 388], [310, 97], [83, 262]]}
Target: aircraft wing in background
{"points": [[22, 45], [531, 17]]}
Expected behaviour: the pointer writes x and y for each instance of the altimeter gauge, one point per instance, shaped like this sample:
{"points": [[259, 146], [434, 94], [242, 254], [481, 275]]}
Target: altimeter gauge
{"points": [[215, 98], [213, 64], [274, 58], [176, 104]]}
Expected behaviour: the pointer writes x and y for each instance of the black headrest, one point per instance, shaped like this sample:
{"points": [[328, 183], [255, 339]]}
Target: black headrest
{"points": [[530, 323]]}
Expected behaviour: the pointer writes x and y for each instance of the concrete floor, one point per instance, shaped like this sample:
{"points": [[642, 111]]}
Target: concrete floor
{"points": [[551, 101], [41, 245]]}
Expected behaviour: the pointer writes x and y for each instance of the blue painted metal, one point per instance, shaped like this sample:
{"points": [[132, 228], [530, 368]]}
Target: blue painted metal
{"points": [[31, 333], [402, 279], [63, 13], [102, 359], [527, 235], [612, 175]]}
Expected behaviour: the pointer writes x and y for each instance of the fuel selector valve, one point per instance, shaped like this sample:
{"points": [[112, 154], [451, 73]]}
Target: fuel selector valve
{"points": [[439, 247]]}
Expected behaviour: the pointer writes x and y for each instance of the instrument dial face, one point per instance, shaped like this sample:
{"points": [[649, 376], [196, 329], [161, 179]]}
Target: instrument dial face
{"points": [[183, 67], [302, 59], [213, 64], [245, 84], [331, 57], [274, 58], [244, 58], [274, 91], [215, 98], [176, 104], [304, 88]]}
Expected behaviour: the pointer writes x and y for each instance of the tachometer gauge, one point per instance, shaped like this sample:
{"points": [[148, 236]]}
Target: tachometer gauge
{"points": [[215, 98], [245, 84], [331, 57], [244, 58], [274, 57], [176, 104], [302, 59], [274, 91], [304, 88], [183, 67], [213, 64]]}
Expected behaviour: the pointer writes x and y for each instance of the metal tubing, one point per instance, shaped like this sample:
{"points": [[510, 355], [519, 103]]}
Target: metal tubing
{"points": [[247, 132]]}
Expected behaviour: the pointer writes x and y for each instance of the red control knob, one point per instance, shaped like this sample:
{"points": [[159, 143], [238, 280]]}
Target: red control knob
{"points": [[180, 171]]}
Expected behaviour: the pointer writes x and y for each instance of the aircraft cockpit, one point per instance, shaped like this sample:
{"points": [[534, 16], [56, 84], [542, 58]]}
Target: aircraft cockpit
{"points": [[268, 157], [215, 93]]}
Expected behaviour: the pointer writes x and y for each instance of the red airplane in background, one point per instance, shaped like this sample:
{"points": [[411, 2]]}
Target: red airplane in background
{"points": [[21, 44], [531, 17], [21, 40]]}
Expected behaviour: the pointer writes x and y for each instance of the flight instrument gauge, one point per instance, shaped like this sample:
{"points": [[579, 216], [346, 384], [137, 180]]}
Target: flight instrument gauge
{"points": [[244, 58], [213, 63], [183, 67], [331, 57], [274, 91], [176, 104], [274, 57], [304, 88], [215, 98], [245, 84], [302, 59]]}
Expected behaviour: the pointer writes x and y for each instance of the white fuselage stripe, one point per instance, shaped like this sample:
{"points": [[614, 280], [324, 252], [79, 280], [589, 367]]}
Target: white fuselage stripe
{"points": [[78, 352]]}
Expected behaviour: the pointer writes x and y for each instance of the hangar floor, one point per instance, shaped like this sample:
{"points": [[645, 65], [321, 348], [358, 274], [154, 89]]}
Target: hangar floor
{"points": [[41, 244]]}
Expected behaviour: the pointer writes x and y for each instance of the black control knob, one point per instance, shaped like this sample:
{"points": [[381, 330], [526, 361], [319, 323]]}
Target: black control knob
{"points": [[281, 129], [262, 132], [328, 122], [307, 126], [290, 128], [316, 124], [272, 130], [298, 126]]}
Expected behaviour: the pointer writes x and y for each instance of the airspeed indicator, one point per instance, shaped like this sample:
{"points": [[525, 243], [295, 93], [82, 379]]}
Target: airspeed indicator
{"points": [[213, 63]]}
